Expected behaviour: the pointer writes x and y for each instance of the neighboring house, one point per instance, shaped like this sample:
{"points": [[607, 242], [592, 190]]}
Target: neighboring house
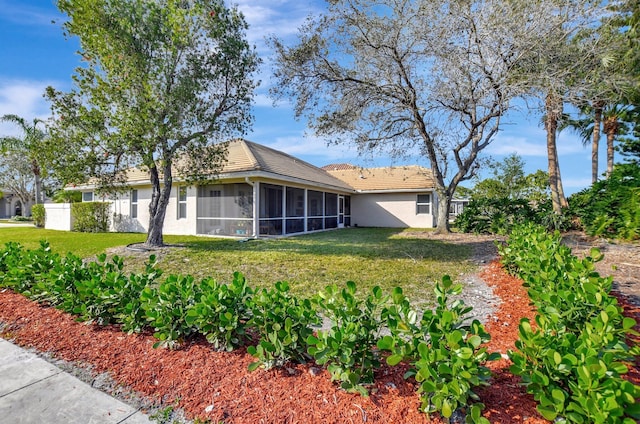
{"points": [[264, 192], [457, 207], [10, 206]]}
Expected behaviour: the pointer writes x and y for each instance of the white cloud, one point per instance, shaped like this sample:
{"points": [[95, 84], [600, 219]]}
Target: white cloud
{"points": [[263, 100], [312, 149], [22, 98], [506, 145], [274, 18], [532, 142], [22, 14]]}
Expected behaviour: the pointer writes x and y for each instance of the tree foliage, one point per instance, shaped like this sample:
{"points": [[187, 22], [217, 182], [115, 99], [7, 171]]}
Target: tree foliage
{"points": [[510, 182], [436, 75], [164, 82], [507, 199], [32, 145], [16, 177], [611, 207]]}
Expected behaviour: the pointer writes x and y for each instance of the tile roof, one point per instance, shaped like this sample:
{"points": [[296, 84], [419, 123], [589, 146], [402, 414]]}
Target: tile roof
{"points": [[395, 178], [248, 157], [245, 155]]}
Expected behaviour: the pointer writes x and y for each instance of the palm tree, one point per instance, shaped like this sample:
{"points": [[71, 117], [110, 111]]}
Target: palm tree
{"points": [[553, 115], [31, 143], [615, 123], [587, 126]]}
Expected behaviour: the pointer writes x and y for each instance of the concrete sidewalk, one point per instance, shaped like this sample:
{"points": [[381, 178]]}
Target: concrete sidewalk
{"points": [[34, 391]]}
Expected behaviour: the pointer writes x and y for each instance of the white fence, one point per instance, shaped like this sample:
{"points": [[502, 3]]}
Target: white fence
{"points": [[58, 216]]}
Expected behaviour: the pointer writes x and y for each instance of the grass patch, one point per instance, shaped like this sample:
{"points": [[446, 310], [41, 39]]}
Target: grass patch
{"points": [[367, 256], [81, 244]]}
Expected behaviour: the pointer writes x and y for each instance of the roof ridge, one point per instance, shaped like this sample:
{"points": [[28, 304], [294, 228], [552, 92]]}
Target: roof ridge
{"points": [[281, 153], [245, 144]]}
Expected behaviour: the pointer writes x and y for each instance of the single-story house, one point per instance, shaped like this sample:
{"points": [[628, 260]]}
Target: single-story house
{"points": [[264, 192]]}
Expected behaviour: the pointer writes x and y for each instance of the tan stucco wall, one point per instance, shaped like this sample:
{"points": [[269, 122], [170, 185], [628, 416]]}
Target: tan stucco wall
{"points": [[389, 210], [172, 225]]}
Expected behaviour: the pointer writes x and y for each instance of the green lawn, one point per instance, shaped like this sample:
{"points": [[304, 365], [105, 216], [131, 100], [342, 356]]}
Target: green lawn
{"points": [[384, 257]]}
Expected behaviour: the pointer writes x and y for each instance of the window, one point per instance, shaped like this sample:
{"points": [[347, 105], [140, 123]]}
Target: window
{"points": [[182, 202], [87, 196], [423, 204], [134, 204]]}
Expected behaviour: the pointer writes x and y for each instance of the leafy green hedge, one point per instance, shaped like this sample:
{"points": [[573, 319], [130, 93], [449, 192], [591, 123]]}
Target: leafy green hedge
{"points": [[611, 207], [573, 360], [499, 216], [444, 353], [90, 217]]}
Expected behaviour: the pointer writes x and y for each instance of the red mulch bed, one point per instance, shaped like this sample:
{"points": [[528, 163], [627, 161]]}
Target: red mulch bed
{"points": [[217, 386]]}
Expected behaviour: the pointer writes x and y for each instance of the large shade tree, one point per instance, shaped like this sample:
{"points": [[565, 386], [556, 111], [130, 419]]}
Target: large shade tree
{"points": [[16, 177], [433, 74], [165, 83], [29, 145]]}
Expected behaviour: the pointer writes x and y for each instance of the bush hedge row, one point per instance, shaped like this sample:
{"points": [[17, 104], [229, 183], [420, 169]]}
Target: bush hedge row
{"points": [[573, 358], [444, 351]]}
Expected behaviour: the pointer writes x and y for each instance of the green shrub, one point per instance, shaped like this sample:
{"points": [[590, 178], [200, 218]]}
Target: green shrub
{"points": [[446, 354], [222, 312], [573, 361], [38, 215], [500, 216], [348, 347], [90, 217], [22, 269], [283, 323], [167, 306]]}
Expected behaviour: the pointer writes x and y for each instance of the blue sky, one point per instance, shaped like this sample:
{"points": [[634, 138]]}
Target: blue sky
{"points": [[35, 54]]}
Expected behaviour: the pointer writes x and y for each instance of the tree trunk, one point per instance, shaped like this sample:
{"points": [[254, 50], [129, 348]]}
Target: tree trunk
{"points": [[158, 207], [563, 198], [611, 130], [553, 105], [38, 189], [597, 121], [35, 169], [444, 202]]}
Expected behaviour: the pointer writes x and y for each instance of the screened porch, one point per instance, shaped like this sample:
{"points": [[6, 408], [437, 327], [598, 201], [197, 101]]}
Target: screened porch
{"points": [[263, 209]]}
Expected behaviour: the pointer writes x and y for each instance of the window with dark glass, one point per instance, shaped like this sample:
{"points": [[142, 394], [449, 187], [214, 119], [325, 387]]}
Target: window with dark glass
{"points": [[134, 204], [182, 202], [423, 204]]}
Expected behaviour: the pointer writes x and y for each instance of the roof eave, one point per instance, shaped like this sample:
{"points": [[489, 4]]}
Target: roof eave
{"points": [[396, 190], [235, 175]]}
